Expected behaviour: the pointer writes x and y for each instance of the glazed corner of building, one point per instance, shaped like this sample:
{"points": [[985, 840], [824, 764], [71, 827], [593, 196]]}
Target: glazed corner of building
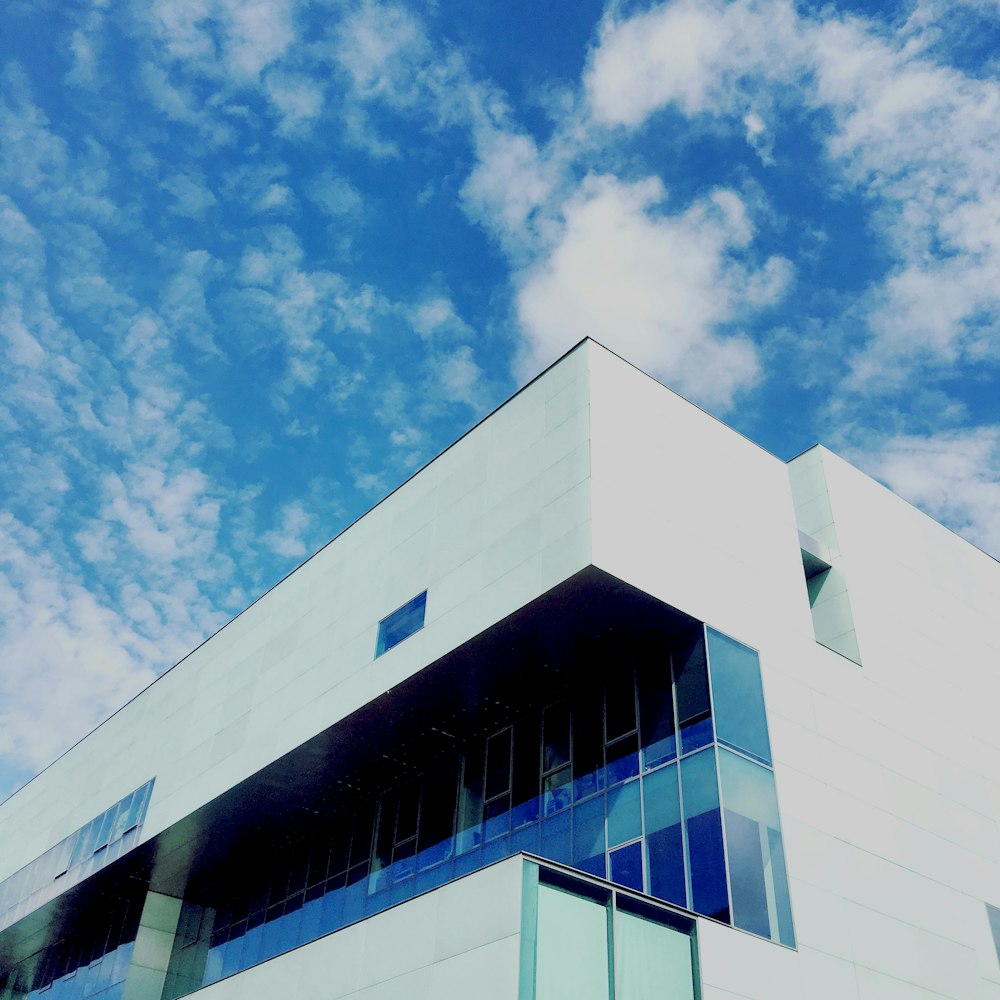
{"points": [[594, 502]]}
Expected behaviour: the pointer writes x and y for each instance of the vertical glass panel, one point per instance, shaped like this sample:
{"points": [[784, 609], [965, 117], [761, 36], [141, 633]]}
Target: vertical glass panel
{"points": [[626, 865], [525, 779], [437, 815], [588, 742], [619, 703], [498, 764], [664, 839], [623, 759], [588, 836], [656, 712], [571, 956], [756, 858], [382, 855], [703, 826], [401, 624], [555, 840], [556, 791], [409, 810], [694, 707], [652, 961], [738, 696], [624, 814], [555, 736], [470, 799]]}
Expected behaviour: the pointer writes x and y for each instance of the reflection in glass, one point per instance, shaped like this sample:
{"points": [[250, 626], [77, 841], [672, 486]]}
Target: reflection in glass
{"points": [[739, 698], [664, 840], [694, 705], [756, 857], [401, 624], [626, 865], [656, 712], [703, 829]]}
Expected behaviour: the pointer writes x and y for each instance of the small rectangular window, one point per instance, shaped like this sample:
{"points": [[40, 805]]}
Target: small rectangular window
{"points": [[401, 624]]}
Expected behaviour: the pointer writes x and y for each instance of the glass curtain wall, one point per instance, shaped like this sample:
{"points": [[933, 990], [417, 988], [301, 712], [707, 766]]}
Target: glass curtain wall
{"points": [[654, 773], [90, 962]]}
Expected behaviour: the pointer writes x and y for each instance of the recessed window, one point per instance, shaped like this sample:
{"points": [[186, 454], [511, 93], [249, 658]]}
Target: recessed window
{"points": [[401, 624]]}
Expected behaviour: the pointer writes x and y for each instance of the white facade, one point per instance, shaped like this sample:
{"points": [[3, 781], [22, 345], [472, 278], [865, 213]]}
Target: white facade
{"points": [[887, 770]]}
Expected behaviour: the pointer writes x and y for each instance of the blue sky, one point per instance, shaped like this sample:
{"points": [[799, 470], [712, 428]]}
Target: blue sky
{"points": [[261, 259]]}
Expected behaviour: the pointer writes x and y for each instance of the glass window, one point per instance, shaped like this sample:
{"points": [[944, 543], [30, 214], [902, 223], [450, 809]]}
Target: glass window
{"points": [[524, 781], [401, 624], [470, 799], [664, 840], [588, 836], [571, 957], [626, 865], [694, 706], [588, 741], [498, 765], [624, 814], [555, 736], [619, 704], [656, 713], [703, 829], [740, 721], [437, 815], [756, 856]]}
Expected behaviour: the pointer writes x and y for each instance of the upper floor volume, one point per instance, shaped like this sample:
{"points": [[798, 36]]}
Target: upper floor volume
{"points": [[562, 637]]}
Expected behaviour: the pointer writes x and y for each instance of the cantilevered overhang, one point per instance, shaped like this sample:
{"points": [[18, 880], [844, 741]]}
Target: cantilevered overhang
{"points": [[524, 661]]}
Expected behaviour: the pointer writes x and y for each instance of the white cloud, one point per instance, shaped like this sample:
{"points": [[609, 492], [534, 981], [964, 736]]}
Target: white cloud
{"points": [[457, 376], [297, 98], [287, 538], [336, 196], [953, 475], [435, 318], [689, 53], [653, 286], [508, 186], [192, 195], [921, 140], [69, 661]]}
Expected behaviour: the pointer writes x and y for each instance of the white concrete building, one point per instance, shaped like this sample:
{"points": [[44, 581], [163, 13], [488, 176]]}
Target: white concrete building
{"points": [[605, 701]]}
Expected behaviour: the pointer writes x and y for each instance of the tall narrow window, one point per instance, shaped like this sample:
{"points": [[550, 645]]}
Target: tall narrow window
{"points": [[496, 809], [555, 758], [621, 732], [401, 624]]}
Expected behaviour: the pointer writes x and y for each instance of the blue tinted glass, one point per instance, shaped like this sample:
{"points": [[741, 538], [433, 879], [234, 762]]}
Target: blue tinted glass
{"points": [[703, 825], [401, 624], [624, 814], [525, 839], [556, 791], [756, 858], [626, 865], [738, 696], [588, 835], [746, 874], [656, 714], [783, 905], [694, 707], [664, 841], [555, 841], [623, 760]]}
